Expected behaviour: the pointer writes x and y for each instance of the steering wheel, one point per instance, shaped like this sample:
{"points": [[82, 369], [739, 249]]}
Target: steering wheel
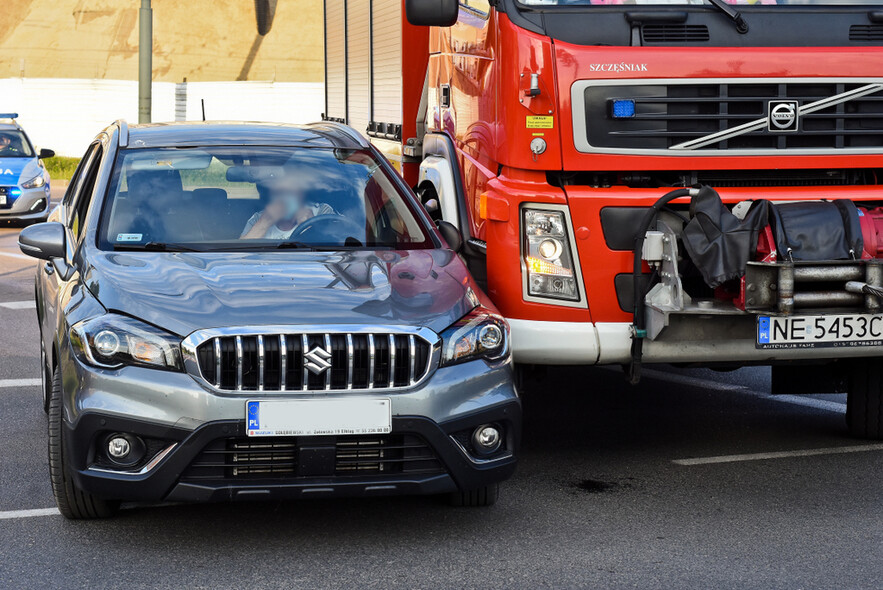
{"points": [[320, 228]]}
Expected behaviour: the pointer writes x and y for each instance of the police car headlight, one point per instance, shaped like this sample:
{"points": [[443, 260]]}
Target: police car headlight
{"points": [[35, 182], [111, 341]]}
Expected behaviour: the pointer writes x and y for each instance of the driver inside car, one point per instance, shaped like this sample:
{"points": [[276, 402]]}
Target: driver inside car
{"points": [[286, 210]]}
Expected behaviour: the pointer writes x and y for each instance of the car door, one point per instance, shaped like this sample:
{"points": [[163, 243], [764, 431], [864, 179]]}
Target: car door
{"points": [[50, 279]]}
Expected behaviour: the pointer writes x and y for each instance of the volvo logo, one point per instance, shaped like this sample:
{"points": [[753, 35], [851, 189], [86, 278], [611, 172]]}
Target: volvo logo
{"points": [[783, 116], [317, 360]]}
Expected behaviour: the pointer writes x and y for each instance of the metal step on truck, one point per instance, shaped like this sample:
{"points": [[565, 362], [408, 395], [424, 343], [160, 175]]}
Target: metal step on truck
{"points": [[693, 182]]}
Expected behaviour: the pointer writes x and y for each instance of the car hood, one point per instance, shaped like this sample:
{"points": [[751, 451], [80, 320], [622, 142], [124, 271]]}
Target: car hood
{"points": [[14, 171], [183, 292]]}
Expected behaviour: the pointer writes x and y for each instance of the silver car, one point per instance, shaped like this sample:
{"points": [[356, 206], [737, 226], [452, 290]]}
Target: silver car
{"points": [[248, 311]]}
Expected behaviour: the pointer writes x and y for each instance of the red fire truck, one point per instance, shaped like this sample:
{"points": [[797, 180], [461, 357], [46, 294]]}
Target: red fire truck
{"points": [[660, 181]]}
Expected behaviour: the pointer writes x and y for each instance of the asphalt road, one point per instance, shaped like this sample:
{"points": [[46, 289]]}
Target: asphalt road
{"points": [[603, 498]]}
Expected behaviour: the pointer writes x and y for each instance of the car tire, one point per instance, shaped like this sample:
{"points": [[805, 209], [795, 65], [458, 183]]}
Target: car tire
{"points": [[486, 496], [864, 399], [73, 503]]}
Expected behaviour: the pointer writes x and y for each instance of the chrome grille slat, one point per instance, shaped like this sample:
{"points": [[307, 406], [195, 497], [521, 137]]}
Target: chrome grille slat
{"points": [[239, 363], [265, 360]]}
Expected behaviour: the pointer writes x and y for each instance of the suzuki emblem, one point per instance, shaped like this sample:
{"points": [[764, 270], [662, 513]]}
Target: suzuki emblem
{"points": [[317, 360]]}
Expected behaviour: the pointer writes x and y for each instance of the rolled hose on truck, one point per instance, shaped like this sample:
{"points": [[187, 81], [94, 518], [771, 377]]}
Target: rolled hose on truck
{"points": [[720, 244]]}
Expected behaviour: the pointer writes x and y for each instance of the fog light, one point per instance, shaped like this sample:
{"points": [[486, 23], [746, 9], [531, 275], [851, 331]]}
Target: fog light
{"points": [[486, 439], [118, 448]]}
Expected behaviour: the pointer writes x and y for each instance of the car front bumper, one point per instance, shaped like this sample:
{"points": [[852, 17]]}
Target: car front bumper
{"points": [[29, 205], [196, 439]]}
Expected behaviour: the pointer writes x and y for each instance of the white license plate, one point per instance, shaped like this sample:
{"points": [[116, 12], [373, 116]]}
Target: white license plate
{"points": [[814, 331], [318, 417], [2, 199]]}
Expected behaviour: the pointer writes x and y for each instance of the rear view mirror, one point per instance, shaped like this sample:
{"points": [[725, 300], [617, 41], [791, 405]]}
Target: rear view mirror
{"points": [[44, 153], [432, 13], [43, 240], [451, 235]]}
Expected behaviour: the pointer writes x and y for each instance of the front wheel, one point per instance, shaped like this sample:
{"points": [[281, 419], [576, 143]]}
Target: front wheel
{"points": [[73, 503], [485, 496], [864, 399]]}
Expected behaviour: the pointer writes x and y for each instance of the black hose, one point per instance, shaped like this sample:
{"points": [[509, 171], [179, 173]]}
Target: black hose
{"points": [[639, 319]]}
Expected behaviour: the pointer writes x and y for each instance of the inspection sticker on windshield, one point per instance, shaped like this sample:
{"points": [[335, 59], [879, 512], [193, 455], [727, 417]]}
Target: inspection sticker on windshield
{"points": [[129, 237], [818, 331], [318, 417]]}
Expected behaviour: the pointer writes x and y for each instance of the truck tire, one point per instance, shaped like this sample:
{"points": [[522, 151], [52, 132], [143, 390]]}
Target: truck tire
{"points": [[73, 503], [864, 399], [486, 496]]}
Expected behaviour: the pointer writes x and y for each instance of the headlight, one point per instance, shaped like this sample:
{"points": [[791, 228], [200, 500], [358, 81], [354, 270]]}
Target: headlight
{"points": [[479, 334], [112, 341], [35, 182], [547, 258]]}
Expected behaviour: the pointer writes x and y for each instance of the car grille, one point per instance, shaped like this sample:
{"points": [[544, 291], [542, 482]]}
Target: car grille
{"points": [[313, 362], [282, 458], [668, 114]]}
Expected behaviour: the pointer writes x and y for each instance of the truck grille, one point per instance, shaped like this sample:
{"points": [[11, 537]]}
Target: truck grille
{"points": [[671, 113], [313, 362], [282, 458]]}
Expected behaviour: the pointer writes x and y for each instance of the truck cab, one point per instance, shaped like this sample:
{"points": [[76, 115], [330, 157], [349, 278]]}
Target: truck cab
{"points": [[656, 182]]}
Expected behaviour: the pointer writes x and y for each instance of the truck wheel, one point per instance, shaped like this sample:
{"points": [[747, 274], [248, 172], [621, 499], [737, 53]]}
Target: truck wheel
{"points": [[864, 399], [485, 496], [73, 503]]}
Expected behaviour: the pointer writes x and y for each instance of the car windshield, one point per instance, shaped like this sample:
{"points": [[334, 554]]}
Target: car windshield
{"points": [[14, 144], [254, 198], [696, 2]]}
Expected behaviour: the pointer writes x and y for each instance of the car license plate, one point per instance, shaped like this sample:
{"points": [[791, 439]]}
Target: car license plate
{"points": [[318, 417], [815, 331], [2, 199]]}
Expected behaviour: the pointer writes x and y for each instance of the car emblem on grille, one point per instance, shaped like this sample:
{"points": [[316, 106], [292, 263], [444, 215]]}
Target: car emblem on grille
{"points": [[783, 116], [317, 360]]}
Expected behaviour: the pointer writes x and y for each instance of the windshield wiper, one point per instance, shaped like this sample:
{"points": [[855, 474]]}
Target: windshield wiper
{"points": [[156, 247], [731, 13]]}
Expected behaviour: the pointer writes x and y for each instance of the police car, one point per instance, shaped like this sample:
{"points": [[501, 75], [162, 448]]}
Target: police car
{"points": [[24, 180]]}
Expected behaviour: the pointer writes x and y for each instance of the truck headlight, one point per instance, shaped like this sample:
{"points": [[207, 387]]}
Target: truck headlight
{"points": [[547, 255], [35, 182], [479, 334], [112, 340]]}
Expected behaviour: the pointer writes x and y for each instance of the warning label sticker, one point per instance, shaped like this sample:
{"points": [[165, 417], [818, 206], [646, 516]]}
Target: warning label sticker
{"points": [[536, 122]]}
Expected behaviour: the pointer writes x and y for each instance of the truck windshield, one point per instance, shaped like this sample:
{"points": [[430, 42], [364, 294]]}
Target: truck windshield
{"points": [[694, 2], [253, 198]]}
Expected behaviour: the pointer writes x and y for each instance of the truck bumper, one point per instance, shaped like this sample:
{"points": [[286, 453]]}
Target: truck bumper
{"points": [[696, 340]]}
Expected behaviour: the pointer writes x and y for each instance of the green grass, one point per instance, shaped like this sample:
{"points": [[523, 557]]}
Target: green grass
{"points": [[61, 167]]}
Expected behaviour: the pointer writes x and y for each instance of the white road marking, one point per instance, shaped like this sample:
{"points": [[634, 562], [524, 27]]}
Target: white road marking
{"points": [[19, 382], [19, 304], [778, 455], [13, 255], [10, 514], [797, 400]]}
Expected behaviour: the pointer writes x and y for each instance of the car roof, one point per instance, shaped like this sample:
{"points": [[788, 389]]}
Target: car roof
{"points": [[226, 133], [10, 127]]}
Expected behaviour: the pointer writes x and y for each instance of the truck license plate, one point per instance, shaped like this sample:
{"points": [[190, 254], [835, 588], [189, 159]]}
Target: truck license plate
{"points": [[318, 417], [814, 331]]}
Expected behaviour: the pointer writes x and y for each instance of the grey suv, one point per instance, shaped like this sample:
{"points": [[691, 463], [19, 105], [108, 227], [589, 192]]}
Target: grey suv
{"points": [[248, 311]]}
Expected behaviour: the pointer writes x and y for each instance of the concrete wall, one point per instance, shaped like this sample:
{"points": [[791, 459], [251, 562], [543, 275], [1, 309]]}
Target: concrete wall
{"points": [[201, 40], [65, 114]]}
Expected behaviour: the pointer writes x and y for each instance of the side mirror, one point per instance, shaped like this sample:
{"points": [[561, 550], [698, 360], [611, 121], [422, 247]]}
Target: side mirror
{"points": [[44, 153], [451, 235], [43, 240], [432, 13]]}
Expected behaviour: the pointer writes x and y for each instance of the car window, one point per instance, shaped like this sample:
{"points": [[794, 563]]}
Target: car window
{"points": [[77, 178], [14, 144], [233, 198], [84, 193]]}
